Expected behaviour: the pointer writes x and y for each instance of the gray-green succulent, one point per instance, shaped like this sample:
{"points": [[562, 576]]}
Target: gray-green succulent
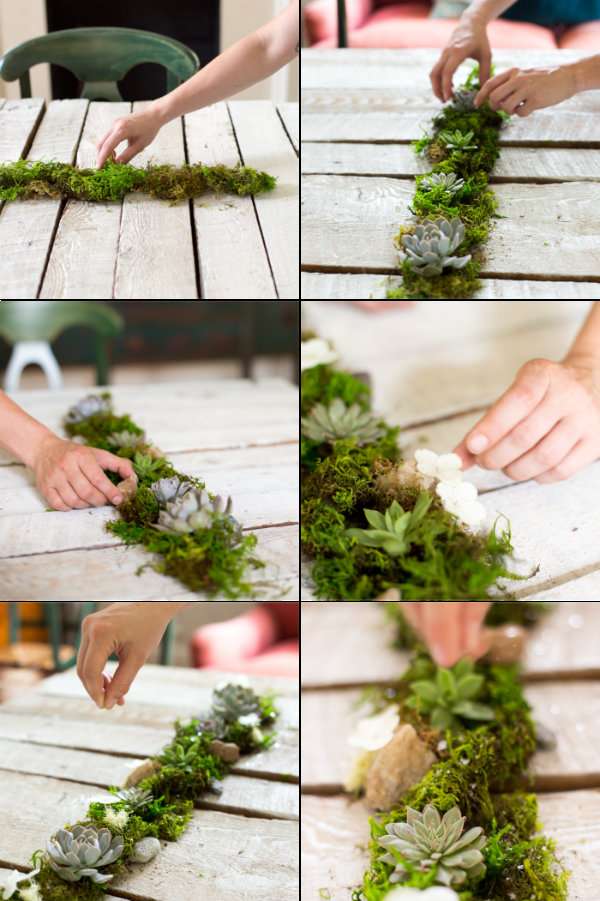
{"points": [[429, 250], [80, 852], [427, 841], [463, 101], [232, 701], [338, 421], [448, 181], [457, 140], [135, 798], [168, 490], [86, 407], [194, 510], [127, 440], [450, 697], [392, 530]]}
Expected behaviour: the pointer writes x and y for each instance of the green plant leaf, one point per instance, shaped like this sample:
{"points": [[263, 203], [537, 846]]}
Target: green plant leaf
{"points": [[425, 690], [445, 682], [469, 686], [442, 719], [472, 710], [375, 519]]}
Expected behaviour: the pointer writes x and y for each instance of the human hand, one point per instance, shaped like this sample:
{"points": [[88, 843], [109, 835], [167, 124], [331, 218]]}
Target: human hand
{"points": [[451, 631], [378, 305], [132, 632], [545, 427], [521, 91], [71, 476], [138, 129], [469, 40]]}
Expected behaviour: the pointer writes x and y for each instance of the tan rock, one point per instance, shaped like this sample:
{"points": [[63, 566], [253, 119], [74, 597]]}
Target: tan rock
{"points": [[227, 751], [128, 487], [397, 767], [507, 644], [155, 453], [145, 769]]}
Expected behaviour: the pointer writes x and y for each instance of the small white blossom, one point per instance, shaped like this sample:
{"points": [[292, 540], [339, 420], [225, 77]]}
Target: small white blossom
{"points": [[9, 882], [32, 893], [249, 719], [315, 352], [116, 818], [435, 893], [460, 498], [445, 467], [373, 732]]}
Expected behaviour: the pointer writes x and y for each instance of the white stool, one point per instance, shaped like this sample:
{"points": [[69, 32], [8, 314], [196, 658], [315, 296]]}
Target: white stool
{"points": [[24, 354]]}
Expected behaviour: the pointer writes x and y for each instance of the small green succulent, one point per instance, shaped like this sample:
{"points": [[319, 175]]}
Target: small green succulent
{"points": [[450, 697], [457, 140], [232, 701], [135, 798], [147, 467], [392, 530], [338, 421], [449, 181], [127, 440], [426, 841]]}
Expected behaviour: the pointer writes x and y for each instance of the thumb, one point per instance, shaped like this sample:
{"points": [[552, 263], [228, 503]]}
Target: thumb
{"points": [[115, 464], [130, 663], [465, 455]]}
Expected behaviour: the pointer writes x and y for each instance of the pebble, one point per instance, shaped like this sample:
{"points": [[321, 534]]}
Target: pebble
{"points": [[145, 850]]}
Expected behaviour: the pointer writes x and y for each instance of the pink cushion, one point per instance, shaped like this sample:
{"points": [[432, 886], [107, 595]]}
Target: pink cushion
{"points": [[282, 659], [582, 37], [218, 644], [320, 17], [286, 617]]}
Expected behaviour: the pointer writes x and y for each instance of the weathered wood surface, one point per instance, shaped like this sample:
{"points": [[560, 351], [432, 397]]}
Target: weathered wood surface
{"points": [[249, 450], [335, 835], [289, 113], [551, 229], [142, 247]]}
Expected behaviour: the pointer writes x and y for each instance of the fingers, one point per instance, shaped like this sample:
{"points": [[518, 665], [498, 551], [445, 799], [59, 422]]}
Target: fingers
{"points": [[83, 486], [511, 105], [132, 150], [519, 401], [452, 64], [96, 648], [102, 484], [468, 459], [491, 85], [442, 632], [474, 642], [547, 454], [129, 665], [107, 146], [56, 501], [582, 455], [383, 304], [485, 65], [524, 437], [435, 77], [116, 464]]}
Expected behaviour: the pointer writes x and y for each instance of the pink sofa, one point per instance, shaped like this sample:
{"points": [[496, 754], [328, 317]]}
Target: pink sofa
{"points": [[263, 641], [376, 23]]}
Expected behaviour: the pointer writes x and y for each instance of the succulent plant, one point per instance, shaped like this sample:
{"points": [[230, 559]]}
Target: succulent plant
{"points": [[147, 467], [427, 841], [450, 697], [135, 798], [127, 439], [449, 181], [337, 421], [392, 530], [463, 101], [216, 725], [80, 852], [457, 140], [88, 406], [430, 248], [195, 510], [168, 490], [233, 701]]}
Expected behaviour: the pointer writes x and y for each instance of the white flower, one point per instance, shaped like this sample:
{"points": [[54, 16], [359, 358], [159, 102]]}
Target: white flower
{"points": [[460, 498], [9, 882], [116, 818], [373, 732], [445, 467], [315, 352], [250, 719], [435, 893], [32, 893]]}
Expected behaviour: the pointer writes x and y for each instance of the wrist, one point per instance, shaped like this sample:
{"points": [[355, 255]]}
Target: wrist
{"points": [[36, 445], [586, 73], [162, 111], [582, 359]]}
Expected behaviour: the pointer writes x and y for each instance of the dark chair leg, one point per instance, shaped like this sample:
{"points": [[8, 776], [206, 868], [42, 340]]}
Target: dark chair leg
{"points": [[102, 363], [342, 24], [248, 337]]}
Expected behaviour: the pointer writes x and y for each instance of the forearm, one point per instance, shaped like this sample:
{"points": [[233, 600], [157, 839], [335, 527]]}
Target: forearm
{"points": [[483, 11], [587, 343], [20, 434], [587, 73]]}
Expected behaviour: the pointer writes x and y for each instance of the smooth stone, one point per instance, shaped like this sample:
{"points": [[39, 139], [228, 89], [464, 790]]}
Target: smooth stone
{"points": [[507, 644], [128, 488], [145, 850], [145, 769], [397, 767], [227, 751], [545, 737]]}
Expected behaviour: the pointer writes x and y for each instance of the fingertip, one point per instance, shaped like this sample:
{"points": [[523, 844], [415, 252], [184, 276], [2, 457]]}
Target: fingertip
{"points": [[117, 499], [477, 443]]}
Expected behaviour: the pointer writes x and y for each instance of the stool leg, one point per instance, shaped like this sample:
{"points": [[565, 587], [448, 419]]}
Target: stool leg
{"points": [[24, 354]]}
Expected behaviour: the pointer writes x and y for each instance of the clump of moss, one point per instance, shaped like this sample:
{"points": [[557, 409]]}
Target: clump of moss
{"points": [[24, 180]]}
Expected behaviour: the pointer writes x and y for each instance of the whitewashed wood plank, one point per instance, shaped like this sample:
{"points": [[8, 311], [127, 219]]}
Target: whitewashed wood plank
{"points": [[227, 228], [398, 160], [264, 144], [334, 286], [257, 863], [18, 122], [290, 113], [83, 258], [114, 573], [27, 227], [156, 256], [209, 414]]}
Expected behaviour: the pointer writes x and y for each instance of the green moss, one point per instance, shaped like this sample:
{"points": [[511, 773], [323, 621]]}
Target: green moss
{"points": [[322, 384], [143, 508], [53, 888], [24, 179]]}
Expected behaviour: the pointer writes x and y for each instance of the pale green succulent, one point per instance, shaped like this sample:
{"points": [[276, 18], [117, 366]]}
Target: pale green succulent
{"points": [[463, 101], [233, 701], [429, 250], [135, 798], [168, 490], [194, 510], [450, 697], [392, 530], [338, 421], [81, 851], [88, 406], [449, 181], [127, 439], [457, 140], [427, 841], [147, 467]]}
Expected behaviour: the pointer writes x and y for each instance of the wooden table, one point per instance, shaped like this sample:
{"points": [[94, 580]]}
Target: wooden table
{"points": [[213, 248], [435, 369], [362, 108], [237, 435], [346, 647], [58, 751]]}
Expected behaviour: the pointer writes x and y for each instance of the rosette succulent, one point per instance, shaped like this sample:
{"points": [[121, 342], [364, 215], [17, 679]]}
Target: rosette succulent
{"points": [[147, 467], [450, 697], [449, 181], [457, 140], [88, 406], [338, 421], [127, 440], [135, 798], [168, 490], [195, 510], [429, 250], [233, 701], [427, 841], [392, 530], [82, 851], [463, 101]]}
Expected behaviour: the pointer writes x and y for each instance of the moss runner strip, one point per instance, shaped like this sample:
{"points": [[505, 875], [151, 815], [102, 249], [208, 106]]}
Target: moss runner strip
{"points": [[26, 180], [169, 513], [453, 204]]}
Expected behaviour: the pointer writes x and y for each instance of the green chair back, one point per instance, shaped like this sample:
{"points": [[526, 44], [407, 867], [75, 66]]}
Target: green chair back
{"points": [[45, 320], [99, 58], [342, 24]]}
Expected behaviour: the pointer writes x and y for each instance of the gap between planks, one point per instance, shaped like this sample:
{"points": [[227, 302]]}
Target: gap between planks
{"points": [[507, 276], [569, 145], [493, 179]]}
